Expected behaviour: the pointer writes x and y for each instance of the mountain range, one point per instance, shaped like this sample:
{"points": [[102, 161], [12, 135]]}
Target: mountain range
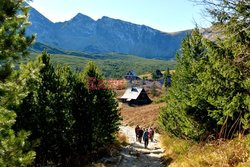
{"points": [[105, 35]]}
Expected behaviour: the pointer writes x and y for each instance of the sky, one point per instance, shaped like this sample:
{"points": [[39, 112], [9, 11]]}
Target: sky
{"points": [[164, 15]]}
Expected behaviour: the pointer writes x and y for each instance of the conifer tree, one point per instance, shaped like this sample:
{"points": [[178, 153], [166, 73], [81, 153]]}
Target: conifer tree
{"points": [[13, 44], [167, 78], [154, 76], [68, 119], [231, 17], [211, 85], [45, 110], [82, 114], [175, 118], [15, 150], [104, 107], [153, 89], [231, 55]]}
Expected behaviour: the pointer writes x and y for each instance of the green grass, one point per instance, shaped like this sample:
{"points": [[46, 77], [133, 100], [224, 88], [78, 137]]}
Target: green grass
{"points": [[112, 64]]}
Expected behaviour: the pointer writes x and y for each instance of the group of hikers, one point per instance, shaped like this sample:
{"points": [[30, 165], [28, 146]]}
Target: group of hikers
{"points": [[145, 134]]}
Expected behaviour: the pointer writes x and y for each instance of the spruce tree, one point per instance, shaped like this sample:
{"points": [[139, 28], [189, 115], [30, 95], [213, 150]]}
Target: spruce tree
{"points": [[13, 41], [68, 119], [82, 115], [103, 107], [154, 76], [231, 18], [13, 44], [15, 150], [211, 84], [45, 110], [231, 55], [175, 118], [167, 78]]}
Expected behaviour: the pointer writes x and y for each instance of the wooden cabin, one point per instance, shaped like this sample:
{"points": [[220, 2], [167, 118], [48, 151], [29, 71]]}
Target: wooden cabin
{"points": [[131, 76], [136, 96], [158, 73]]}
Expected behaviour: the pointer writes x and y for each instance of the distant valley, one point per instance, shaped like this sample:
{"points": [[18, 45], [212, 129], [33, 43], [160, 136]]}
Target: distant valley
{"points": [[112, 65], [105, 35]]}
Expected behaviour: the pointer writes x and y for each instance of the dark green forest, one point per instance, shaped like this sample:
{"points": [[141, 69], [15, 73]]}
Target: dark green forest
{"points": [[112, 65], [47, 114], [210, 93]]}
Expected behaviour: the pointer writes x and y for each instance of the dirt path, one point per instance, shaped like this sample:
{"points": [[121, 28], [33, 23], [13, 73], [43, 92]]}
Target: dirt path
{"points": [[135, 155]]}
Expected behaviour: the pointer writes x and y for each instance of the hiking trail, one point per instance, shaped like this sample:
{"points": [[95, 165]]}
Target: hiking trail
{"points": [[135, 155]]}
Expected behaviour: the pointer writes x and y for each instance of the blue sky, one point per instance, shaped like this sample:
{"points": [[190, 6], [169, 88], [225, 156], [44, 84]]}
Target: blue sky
{"points": [[165, 15]]}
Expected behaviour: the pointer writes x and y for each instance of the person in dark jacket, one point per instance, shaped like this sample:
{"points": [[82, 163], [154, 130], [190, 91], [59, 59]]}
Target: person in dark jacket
{"points": [[137, 128], [145, 138], [140, 134]]}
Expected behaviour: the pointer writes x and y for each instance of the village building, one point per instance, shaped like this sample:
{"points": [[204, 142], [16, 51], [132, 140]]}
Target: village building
{"points": [[135, 95], [158, 73], [131, 75]]}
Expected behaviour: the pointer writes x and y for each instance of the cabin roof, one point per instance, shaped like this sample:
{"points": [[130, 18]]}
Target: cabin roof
{"points": [[158, 72], [132, 93], [131, 73]]}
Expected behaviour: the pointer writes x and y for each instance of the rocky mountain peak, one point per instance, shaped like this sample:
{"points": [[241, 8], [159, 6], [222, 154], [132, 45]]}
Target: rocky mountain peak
{"points": [[82, 18], [105, 35]]}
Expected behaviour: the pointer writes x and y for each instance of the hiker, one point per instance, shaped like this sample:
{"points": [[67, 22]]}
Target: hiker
{"points": [[145, 138], [151, 134], [140, 134], [137, 128]]}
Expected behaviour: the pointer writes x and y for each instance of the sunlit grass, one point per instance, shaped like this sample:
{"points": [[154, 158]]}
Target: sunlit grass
{"points": [[122, 139], [218, 153]]}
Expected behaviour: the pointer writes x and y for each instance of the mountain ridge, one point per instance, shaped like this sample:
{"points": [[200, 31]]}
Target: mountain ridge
{"points": [[105, 35]]}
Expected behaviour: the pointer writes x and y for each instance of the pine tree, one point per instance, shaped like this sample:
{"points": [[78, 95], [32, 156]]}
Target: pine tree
{"points": [[154, 76], [211, 86], [230, 64], [82, 114], [13, 44], [104, 109], [45, 109], [67, 119], [15, 150], [175, 118], [153, 89], [167, 78], [231, 17]]}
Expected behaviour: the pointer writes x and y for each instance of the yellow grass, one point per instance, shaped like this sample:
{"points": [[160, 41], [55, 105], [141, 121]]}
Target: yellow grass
{"points": [[219, 153], [122, 139], [144, 116]]}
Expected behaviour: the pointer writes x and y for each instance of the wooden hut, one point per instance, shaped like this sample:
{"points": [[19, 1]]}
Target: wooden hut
{"points": [[158, 73], [135, 95], [131, 75]]}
